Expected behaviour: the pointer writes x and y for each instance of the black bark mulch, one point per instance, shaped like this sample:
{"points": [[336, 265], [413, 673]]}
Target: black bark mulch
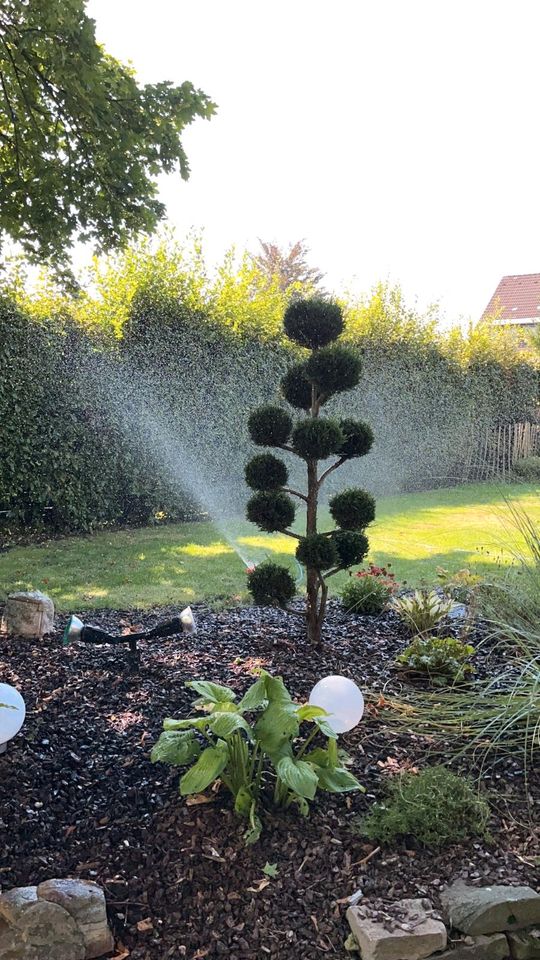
{"points": [[79, 796]]}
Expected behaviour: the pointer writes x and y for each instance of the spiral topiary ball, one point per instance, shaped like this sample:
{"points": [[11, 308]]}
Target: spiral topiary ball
{"points": [[271, 510], [334, 369], [296, 387], [351, 547], [352, 509], [317, 551], [270, 426], [313, 323], [266, 472], [317, 439], [270, 583], [358, 438]]}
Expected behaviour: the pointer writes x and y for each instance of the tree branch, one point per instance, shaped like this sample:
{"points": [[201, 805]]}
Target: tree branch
{"points": [[295, 493], [289, 533], [334, 466]]}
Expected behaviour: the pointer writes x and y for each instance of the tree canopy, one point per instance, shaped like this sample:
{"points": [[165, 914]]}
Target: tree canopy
{"points": [[289, 267], [81, 142]]}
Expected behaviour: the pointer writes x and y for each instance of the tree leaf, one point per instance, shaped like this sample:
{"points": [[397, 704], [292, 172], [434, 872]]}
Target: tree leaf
{"points": [[271, 869], [299, 776], [211, 692], [175, 747], [337, 780], [210, 764]]}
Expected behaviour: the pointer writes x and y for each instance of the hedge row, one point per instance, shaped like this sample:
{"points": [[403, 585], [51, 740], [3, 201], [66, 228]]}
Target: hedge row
{"points": [[153, 424]]}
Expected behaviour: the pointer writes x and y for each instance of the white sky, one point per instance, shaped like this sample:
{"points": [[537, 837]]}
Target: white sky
{"points": [[399, 137]]}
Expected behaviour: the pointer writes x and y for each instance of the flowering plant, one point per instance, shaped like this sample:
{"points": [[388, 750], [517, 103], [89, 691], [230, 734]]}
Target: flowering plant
{"points": [[368, 591]]}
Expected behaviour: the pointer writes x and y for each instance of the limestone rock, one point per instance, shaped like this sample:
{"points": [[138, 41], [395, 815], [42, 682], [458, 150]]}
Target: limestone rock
{"points": [[14, 902], [525, 946], [413, 936], [50, 933], [29, 614], [483, 910], [85, 902], [494, 947]]}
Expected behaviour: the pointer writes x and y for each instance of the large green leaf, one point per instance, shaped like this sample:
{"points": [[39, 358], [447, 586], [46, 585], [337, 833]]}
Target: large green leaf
{"points": [[337, 780], [299, 776], [276, 727], [211, 692], [325, 727], [224, 724], [195, 723], [318, 756], [210, 764], [276, 691], [176, 747], [242, 802], [309, 711], [255, 697]]}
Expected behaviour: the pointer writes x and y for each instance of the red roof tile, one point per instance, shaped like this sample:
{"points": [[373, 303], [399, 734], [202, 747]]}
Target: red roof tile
{"points": [[517, 297]]}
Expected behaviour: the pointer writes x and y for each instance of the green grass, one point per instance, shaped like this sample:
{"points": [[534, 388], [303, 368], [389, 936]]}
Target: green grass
{"points": [[456, 527]]}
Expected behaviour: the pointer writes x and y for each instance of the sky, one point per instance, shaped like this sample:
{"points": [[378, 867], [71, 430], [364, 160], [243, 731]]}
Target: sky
{"points": [[400, 138]]}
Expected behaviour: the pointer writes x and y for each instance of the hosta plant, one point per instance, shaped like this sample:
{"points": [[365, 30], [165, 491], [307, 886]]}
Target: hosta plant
{"points": [[254, 746], [423, 610], [443, 659]]}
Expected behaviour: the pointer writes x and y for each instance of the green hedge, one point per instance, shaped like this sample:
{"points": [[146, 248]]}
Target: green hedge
{"points": [[97, 430]]}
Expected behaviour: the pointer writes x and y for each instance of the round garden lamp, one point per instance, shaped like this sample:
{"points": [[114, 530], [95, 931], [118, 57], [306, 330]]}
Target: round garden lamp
{"points": [[12, 714], [341, 699]]}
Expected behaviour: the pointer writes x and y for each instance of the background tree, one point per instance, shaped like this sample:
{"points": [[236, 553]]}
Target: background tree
{"points": [[81, 143], [290, 267], [313, 324]]}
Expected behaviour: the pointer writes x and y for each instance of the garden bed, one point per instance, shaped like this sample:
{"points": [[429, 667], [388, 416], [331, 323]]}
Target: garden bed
{"points": [[79, 796]]}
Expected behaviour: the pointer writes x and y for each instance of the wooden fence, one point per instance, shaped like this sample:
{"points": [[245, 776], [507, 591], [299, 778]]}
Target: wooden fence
{"points": [[493, 453]]}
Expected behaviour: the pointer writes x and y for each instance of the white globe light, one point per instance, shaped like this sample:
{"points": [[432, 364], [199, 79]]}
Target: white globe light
{"points": [[12, 713], [342, 699]]}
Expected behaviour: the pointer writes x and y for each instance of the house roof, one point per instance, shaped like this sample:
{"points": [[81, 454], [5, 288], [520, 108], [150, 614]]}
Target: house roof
{"points": [[517, 299]]}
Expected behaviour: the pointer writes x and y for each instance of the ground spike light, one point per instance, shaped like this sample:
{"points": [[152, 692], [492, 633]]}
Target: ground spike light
{"points": [[75, 629], [12, 714], [342, 700]]}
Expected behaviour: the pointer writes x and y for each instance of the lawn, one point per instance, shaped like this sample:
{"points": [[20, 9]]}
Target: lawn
{"points": [[183, 563]]}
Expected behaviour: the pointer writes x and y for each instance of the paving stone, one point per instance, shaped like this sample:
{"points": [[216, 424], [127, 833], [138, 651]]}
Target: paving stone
{"points": [[525, 945], [494, 947], [484, 910], [415, 935], [85, 902]]}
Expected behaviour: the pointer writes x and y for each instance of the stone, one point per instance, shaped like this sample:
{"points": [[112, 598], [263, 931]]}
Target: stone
{"points": [[85, 902], [483, 910], [494, 947], [413, 935], [49, 933], [29, 614], [525, 945], [57, 920]]}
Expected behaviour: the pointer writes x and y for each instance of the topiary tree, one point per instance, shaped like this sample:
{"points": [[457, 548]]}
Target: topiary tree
{"points": [[329, 369]]}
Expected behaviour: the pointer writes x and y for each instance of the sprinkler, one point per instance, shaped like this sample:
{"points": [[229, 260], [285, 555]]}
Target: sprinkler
{"points": [[87, 633]]}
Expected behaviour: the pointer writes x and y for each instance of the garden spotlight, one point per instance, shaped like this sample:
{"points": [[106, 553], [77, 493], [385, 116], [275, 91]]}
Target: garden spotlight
{"points": [[87, 633]]}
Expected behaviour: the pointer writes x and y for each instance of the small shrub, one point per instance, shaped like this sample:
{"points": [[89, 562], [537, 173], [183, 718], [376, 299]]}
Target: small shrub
{"points": [[423, 611], [368, 591], [271, 510], [358, 438], [317, 439], [527, 469], [271, 584], [435, 807], [266, 472], [351, 546], [270, 426], [334, 369], [318, 551], [352, 509], [443, 659], [313, 322]]}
